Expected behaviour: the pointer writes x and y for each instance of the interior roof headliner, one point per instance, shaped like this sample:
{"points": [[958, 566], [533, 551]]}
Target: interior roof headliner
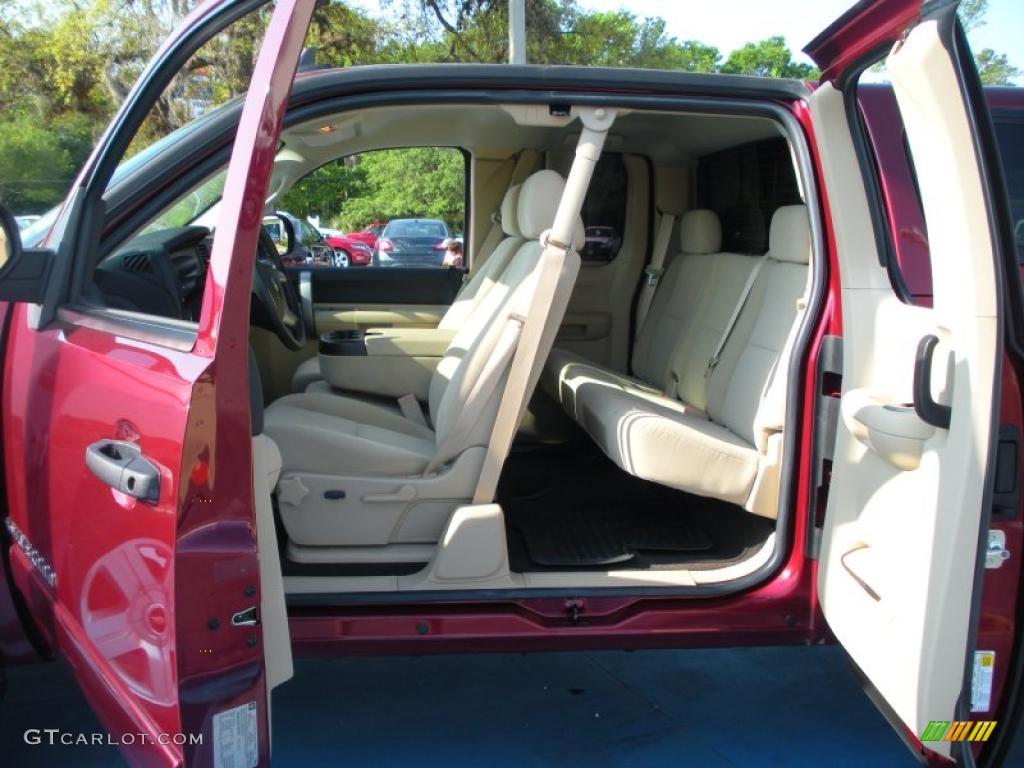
{"points": [[670, 138]]}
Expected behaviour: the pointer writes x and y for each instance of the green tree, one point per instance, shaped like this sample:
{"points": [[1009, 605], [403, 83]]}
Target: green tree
{"points": [[994, 68], [421, 182], [327, 191], [386, 184], [972, 13], [35, 169], [768, 58]]}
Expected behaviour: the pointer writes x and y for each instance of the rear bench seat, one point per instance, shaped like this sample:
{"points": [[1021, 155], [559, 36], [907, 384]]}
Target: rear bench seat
{"points": [[715, 433]]}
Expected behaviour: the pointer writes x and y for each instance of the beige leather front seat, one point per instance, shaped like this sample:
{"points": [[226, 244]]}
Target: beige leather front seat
{"points": [[359, 473], [483, 278]]}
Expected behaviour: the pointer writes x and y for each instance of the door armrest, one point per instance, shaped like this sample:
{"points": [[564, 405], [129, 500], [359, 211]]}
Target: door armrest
{"points": [[892, 430]]}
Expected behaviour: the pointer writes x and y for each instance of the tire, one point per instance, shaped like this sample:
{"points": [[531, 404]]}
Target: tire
{"points": [[342, 259]]}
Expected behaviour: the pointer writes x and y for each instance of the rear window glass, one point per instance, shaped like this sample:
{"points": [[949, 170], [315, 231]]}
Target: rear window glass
{"points": [[745, 185], [416, 229], [604, 210]]}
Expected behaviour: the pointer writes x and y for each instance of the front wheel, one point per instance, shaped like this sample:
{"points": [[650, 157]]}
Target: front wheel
{"points": [[341, 259]]}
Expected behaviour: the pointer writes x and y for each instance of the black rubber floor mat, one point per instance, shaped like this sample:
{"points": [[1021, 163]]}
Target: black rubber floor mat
{"points": [[606, 535]]}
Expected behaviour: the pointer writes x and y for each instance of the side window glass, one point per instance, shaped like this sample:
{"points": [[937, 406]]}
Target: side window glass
{"points": [[1009, 130], [744, 185], [386, 208], [604, 210], [160, 269]]}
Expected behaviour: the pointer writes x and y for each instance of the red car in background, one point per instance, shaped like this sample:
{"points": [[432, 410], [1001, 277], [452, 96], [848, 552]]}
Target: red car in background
{"points": [[348, 251], [368, 234]]}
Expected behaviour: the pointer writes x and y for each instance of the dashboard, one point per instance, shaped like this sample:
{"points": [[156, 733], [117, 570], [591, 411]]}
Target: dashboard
{"points": [[159, 273]]}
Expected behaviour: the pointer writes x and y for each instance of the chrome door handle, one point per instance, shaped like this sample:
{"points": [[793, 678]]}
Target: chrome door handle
{"points": [[122, 466]]}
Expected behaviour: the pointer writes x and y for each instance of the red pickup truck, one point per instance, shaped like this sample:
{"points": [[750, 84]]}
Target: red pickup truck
{"points": [[787, 410]]}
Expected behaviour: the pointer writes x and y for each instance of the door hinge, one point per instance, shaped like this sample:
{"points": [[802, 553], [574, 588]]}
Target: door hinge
{"points": [[996, 553], [829, 375]]}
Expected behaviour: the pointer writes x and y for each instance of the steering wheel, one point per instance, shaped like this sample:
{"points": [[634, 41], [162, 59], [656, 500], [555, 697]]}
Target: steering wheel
{"points": [[274, 298]]}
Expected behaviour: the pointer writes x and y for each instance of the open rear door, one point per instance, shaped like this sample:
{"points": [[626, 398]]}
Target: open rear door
{"points": [[908, 511], [128, 454]]}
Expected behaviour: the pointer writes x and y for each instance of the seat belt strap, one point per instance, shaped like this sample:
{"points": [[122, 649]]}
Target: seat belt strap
{"points": [[543, 310], [555, 276], [412, 410], [454, 442], [654, 270], [735, 316]]}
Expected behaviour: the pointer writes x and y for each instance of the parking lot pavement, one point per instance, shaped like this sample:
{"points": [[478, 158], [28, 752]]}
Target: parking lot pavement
{"points": [[729, 707]]}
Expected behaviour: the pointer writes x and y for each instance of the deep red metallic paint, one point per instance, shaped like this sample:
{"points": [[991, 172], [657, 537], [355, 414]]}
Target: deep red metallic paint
{"points": [[216, 556], [863, 29], [111, 614], [907, 230], [132, 576]]}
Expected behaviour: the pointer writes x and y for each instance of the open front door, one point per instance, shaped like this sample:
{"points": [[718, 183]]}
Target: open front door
{"points": [[128, 450], [909, 505]]}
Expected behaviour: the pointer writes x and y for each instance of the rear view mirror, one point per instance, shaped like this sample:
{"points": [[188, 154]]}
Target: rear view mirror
{"points": [[22, 273]]}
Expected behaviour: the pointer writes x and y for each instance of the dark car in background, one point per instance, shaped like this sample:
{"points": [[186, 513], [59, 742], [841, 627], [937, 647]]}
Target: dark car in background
{"points": [[415, 242], [602, 244]]}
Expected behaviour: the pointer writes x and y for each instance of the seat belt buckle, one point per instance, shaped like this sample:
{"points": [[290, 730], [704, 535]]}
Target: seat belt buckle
{"points": [[712, 364], [653, 275], [672, 391], [412, 410]]}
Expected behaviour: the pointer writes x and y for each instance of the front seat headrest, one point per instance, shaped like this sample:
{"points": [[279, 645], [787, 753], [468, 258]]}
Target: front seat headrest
{"points": [[538, 202], [789, 238], [510, 212]]}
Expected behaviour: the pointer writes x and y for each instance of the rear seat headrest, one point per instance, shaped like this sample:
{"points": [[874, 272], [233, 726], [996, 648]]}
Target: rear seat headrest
{"points": [[510, 211], [700, 231], [789, 238], [539, 196]]}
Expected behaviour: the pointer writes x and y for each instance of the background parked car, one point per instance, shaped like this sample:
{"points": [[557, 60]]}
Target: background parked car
{"points": [[602, 244], [369, 234], [298, 241], [348, 252], [27, 220], [416, 242]]}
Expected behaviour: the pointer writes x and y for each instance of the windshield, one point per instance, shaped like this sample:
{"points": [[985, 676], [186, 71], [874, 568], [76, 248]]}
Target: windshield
{"points": [[189, 208]]}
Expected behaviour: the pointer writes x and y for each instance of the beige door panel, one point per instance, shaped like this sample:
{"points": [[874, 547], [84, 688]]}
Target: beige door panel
{"points": [[597, 322], [337, 317], [590, 326], [902, 523]]}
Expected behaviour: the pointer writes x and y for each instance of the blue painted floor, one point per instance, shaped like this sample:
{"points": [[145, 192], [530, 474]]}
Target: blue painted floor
{"points": [[731, 707]]}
